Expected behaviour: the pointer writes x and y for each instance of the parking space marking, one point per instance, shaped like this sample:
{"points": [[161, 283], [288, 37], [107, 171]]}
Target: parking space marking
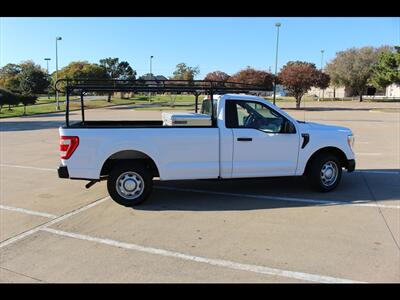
{"points": [[210, 261], [27, 167], [315, 201], [29, 212], [378, 172], [368, 153], [51, 222]]}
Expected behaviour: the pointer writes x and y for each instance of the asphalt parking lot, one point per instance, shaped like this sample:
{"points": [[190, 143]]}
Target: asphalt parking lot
{"points": [[264, 230]]}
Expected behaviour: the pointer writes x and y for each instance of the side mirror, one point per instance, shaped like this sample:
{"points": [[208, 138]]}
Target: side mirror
{"points": [[288, 127]]}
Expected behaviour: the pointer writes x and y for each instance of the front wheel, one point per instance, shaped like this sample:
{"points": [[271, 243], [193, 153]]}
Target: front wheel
{"points": [[129, 184], [325, 172]]}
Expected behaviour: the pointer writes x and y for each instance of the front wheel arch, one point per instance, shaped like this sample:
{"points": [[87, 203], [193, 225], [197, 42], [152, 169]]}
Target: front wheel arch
{"points": [[327, 150]]}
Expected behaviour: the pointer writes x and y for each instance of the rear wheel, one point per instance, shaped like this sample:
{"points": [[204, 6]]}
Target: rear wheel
{"points": [[129, 184], [325, 172]]}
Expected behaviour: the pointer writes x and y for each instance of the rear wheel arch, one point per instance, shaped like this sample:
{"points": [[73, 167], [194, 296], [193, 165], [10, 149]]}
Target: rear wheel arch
{"points": [[129, 155]]}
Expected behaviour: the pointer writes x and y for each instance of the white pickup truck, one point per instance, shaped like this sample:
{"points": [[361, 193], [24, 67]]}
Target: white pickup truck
{"points": [[243, 136]]}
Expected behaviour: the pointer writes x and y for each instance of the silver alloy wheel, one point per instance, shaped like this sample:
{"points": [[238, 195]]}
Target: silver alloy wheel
{"points": [[129, 185], [329, 173]]}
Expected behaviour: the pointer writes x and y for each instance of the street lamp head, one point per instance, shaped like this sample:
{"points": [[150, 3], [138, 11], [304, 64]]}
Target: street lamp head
{"points": [[151, 56], [47, 58], [322, 51], [278, 24], [58, 38]]}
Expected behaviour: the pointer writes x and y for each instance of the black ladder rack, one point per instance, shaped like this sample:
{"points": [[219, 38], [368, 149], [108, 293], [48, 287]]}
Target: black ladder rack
{"points": [[195, 87]]}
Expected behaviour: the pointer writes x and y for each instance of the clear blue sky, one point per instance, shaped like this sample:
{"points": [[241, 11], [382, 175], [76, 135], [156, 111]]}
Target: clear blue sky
{"points": [[226, 44]]}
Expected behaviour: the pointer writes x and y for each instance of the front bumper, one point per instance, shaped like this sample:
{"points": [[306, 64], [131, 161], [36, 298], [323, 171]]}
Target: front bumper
{"points": [[351, 165], [63, 172]]}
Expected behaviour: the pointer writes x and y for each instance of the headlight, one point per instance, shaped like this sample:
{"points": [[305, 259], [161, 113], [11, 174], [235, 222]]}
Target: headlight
{"points": [[350, 141]]}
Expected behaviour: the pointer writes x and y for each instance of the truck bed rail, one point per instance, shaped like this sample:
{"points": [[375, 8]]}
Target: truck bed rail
{"points": [[195, 87]]}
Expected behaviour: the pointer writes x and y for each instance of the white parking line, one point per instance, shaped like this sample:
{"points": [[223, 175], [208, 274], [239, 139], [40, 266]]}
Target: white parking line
{"points": [[289, 199], [49, 223], [29, 212], [368, 153], [27, 167], [210, 261], [378, 172]]}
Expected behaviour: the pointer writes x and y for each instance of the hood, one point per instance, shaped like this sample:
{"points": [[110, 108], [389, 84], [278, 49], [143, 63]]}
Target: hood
{"points": [[322, 127]]}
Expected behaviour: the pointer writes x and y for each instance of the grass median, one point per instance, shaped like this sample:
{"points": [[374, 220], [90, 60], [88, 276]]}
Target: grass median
{"points": [[18, 111], [145, 102]]}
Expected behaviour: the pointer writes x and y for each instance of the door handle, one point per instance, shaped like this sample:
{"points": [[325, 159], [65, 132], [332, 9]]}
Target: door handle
{"points": [[244, 139]]}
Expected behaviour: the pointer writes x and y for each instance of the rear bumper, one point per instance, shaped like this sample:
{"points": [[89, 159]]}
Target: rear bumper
{"points": [[63, 172], [351, 165]]}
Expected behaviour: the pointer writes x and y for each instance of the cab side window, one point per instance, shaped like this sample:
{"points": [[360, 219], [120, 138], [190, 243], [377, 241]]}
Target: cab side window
{"points": [[249, 114]]}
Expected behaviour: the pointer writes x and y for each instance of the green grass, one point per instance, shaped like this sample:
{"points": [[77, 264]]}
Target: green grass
{"points": [[49, 105], [158, 102], [18, 111], [42, 100]]}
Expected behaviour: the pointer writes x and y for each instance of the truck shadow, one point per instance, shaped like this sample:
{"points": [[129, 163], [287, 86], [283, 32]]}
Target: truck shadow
{"points": [[369, 186]]}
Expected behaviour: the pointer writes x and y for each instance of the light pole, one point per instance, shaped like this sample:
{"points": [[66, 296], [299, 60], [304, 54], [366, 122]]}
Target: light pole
{"points": [[322, 59], [58, 38], [277, 25], [47, 60], [151, 59], [151, 74], [322, 67]]}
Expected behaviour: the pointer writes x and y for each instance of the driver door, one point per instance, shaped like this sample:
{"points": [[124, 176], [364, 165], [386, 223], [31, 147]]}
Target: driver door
{"points": [[265, 142]]}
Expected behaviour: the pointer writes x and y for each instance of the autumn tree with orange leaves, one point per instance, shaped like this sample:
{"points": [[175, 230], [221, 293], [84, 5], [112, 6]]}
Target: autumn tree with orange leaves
{"points": [[217, 76], [298, 77], [253, 76]]}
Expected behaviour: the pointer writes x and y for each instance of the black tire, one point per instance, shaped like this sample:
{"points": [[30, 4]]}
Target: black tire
{"points": [[129, 168], [314, 172]]}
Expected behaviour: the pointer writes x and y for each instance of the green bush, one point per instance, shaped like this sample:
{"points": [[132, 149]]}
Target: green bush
{"points": [[8, 98]]}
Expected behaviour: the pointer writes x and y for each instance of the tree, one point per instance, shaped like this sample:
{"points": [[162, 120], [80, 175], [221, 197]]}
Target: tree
{"points": [[81, 70], [253, 76], [322, 80], [217, 76], [298, 77], [387, 69], [7, 98], [8, 77], [10, 83], [32, 79], [27, 100], [352, 68], [10, 70], [117, 70], [184, 72], [25, 78]]}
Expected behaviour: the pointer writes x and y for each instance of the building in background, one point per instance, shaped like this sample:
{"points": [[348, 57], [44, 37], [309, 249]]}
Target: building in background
{"points": [[393, 91], [330, 92]]}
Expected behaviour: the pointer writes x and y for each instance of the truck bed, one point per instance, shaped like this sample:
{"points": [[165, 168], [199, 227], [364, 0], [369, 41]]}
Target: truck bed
{"points": [[117, 124]]}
